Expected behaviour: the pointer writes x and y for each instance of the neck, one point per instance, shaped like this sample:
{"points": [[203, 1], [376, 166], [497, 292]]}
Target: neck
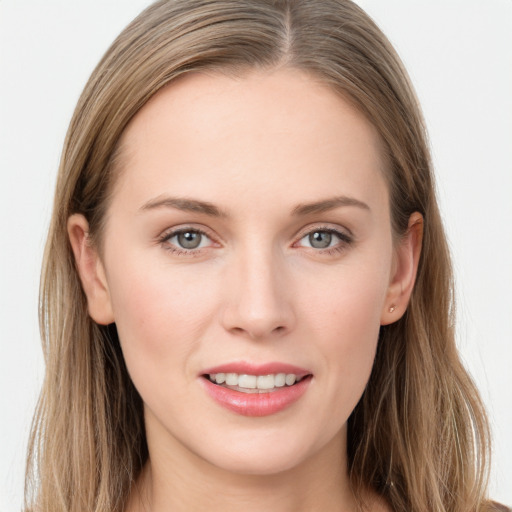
{"points": [[177, 480]]}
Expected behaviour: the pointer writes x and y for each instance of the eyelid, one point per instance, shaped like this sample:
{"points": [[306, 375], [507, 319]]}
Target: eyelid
{"points": [[344, 235], [170, 233], [342, 232]]}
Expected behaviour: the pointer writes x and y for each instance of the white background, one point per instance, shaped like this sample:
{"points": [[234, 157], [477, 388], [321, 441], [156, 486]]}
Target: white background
{"points": [[459, 54]]}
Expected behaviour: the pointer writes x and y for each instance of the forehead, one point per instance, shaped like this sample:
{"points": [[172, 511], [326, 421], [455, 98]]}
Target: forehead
{"points": [[264, 132]]}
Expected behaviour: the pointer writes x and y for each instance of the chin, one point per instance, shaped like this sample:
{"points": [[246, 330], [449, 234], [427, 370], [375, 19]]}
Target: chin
{"points": [[263, 455], [262, 464]]}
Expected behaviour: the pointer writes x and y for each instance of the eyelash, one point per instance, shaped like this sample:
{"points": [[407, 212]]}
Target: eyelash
{"points": [[180, 251], [345, 240]]}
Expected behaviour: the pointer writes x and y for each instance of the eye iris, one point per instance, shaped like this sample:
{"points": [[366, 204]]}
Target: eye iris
{"points": [[189, 239], [320, 239]]}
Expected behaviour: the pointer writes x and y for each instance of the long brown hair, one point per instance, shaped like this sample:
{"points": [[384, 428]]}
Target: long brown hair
{"points": [[419, 434]]}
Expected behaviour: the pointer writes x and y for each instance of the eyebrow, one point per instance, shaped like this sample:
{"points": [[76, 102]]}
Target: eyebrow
{"points": [[328, 204], [185, 204], [206, 208]]}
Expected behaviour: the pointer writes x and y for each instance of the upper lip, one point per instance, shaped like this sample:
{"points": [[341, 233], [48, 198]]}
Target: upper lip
{"points": [[247, 368]]}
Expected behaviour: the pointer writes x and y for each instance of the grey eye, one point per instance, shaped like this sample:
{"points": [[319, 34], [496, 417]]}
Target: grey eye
{"points": [[189, 239], [320, 239]]}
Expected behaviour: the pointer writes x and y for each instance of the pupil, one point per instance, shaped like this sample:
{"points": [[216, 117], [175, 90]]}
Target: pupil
{"points": [[320, 239], [189, 239]]}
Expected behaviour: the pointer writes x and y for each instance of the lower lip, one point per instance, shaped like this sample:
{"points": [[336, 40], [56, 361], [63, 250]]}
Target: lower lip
{"points": [[256, 404]]}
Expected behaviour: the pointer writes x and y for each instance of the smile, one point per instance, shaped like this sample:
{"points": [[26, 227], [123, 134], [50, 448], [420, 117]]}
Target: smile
{"points": [[254, 383], [256, 390]]}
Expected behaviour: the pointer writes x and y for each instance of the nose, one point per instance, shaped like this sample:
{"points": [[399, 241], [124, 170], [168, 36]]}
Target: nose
{"points": [[258, 297]]}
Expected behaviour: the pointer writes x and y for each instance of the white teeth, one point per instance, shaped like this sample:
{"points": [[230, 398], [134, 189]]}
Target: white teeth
{"points": [[247, 381], [263, 382], [231, 379], [290, 379], [280, 380]]}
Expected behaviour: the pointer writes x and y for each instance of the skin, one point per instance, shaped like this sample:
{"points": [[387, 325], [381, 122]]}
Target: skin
{"points": [[255, 290]]}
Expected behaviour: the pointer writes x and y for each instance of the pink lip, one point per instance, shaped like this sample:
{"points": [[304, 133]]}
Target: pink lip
{"points": [[256, 404], [243, 367]]}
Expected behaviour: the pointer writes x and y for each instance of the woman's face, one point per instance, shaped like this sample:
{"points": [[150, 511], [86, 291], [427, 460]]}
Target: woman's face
{"points": [[248, 234]]}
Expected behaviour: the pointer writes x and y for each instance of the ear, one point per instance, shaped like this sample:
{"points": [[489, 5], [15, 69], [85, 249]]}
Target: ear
{"points": [[405, 267], [91, 270]]}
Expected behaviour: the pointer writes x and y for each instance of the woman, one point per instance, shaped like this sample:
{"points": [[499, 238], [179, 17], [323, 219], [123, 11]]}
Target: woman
{"points": [[246, 297]]}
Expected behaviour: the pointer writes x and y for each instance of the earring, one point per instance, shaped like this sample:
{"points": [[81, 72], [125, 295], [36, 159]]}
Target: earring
{"points": [[392, 308]]}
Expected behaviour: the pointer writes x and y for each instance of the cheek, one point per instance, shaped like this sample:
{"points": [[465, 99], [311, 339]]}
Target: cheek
{"points": [[346, 303], [345, 321], [351, 333], [160, 313]]}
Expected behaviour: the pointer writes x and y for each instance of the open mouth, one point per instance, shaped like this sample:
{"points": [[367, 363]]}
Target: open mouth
{"points": [[245, 383], [256, 391]]}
